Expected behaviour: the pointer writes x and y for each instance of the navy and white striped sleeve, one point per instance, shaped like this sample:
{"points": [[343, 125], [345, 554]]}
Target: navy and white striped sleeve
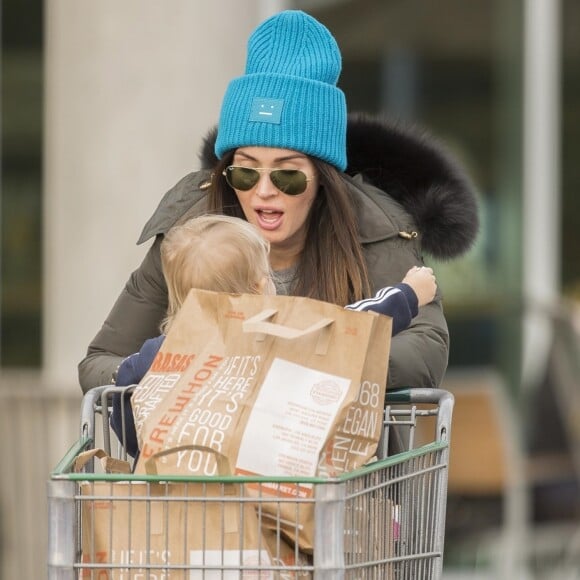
{"points": [[399, 302]]}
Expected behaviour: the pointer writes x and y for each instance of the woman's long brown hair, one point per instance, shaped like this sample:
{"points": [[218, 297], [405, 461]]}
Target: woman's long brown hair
{"points": [[332, 266]]}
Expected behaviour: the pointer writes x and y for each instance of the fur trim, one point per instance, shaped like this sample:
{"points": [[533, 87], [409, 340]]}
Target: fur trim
{"points": [[207, 154], [416, 171], [422, 176]]}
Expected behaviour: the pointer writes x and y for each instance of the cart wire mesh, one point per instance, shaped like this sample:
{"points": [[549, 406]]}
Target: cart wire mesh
{"points": [[383, 521]]}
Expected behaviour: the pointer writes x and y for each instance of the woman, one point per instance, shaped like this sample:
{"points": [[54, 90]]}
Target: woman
{"points": [[338, 230]]}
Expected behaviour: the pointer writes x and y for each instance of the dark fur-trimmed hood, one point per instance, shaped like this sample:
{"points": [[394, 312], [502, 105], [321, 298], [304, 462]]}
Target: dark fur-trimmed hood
{"points": [[416, 171]]}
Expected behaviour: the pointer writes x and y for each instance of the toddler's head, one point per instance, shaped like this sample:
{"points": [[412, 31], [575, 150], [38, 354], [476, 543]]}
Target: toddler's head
{"points": [[214, 252]]}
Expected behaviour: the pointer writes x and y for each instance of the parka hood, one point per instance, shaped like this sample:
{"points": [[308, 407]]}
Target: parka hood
{"points": [[415, 170]]}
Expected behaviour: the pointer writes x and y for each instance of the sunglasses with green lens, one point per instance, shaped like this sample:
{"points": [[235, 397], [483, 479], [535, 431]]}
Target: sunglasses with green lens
{"points": [[288, 181]]}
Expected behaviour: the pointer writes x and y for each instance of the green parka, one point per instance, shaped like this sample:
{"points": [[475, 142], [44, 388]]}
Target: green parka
{"points": [[410, 198]]}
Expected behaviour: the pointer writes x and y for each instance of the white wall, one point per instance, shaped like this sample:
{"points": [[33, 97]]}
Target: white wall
{"points": [[130, 88]]}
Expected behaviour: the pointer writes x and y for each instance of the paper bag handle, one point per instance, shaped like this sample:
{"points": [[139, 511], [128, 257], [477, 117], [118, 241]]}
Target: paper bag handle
{"points": [[110, 464], [223, 464], [260, 325]]}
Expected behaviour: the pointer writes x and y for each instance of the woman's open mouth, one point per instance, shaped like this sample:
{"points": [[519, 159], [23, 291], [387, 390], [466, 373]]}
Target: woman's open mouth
{"points": [[269, 219]]}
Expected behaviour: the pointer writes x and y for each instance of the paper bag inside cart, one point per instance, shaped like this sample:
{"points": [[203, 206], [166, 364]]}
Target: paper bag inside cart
{"points": [[282, 386], [155, 528]]}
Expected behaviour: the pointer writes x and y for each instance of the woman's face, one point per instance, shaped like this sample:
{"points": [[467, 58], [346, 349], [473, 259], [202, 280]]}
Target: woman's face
{"points": [[281, 218]]}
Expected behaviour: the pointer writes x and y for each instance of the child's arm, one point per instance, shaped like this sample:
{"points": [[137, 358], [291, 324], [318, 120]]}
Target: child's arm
{"points": [[130, 372], [402, 301], [399, 302]]}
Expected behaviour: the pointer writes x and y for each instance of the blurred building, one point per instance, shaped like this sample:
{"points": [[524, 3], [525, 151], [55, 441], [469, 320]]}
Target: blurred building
{"points": [[103, 108]]}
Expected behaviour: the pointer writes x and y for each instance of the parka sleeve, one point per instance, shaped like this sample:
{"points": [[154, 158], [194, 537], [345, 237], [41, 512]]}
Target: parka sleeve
{"points": [[134, 318], [419, 354]]}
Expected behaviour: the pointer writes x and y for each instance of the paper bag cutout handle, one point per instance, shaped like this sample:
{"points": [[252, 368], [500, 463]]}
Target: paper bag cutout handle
{"points": [[260, 325], [223, 464], [110, 464]]}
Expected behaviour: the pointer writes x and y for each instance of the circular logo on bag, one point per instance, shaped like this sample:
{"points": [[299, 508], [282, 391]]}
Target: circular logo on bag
{"points": [[325, 392]]}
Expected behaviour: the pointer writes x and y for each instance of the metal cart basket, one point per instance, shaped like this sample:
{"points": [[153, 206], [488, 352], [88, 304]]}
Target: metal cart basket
{"points": [[383, 521]]}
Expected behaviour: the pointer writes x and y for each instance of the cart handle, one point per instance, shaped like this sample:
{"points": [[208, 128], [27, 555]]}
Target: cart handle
{"points": [[416, 395], [440, 397]]}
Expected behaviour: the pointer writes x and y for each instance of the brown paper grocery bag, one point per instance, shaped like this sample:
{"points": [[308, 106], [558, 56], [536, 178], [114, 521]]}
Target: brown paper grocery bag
{"points": [[141, 527], [370, 532], [285, 555], [280, 385], [154, 525]]}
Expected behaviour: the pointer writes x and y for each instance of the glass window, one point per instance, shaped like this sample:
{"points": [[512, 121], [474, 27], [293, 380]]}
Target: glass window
{"points": [[20, 196]]}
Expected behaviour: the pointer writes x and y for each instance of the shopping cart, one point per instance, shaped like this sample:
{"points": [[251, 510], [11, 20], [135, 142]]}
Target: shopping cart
{"points": [[383, 521]]}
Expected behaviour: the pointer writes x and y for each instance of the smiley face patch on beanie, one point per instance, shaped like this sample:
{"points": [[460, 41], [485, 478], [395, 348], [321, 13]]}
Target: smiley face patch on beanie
{"points": [[288, 96], [266, 110]]}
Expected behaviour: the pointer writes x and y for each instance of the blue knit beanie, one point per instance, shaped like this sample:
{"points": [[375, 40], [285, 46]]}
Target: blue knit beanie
{"points": [[288, 97]]}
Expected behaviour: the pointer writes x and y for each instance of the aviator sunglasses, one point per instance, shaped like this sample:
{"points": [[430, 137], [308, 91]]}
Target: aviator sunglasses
{"points": [[288, 181]]}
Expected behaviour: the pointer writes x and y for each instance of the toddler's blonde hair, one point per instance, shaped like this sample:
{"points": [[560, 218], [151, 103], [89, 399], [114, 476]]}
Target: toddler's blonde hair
{"points": [[212, 252]]}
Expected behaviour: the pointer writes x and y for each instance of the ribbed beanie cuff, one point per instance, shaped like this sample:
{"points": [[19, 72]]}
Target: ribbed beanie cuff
{"points": [[288, 97]]}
